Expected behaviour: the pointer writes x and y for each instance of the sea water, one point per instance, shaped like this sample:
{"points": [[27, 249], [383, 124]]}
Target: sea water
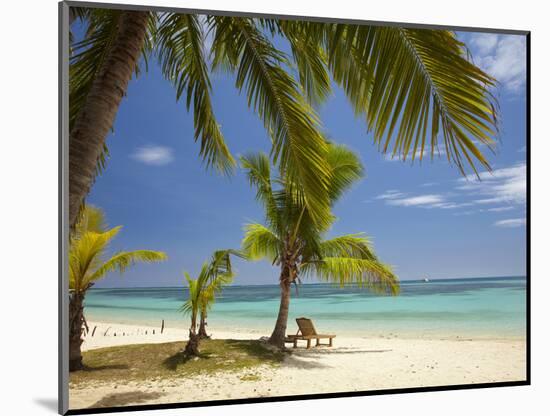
{"points": [[475, 307]]}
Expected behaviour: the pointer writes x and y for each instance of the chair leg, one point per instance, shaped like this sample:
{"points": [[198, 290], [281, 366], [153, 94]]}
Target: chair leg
{"points": [[318, 342], [295, 343], [330, 342], [308, 344]]}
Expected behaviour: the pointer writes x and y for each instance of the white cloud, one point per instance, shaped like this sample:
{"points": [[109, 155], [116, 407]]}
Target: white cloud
{"points": [[504, 188], [396, 198], [153, 155], [419, 200], [426, 156], [484, 42], [500, 209], [510, 223], [470, 212], [501, 185], [390, 194], [503, 57]]}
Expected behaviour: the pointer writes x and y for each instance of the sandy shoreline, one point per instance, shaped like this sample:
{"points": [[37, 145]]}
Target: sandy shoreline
{"points": [[353, 364]]}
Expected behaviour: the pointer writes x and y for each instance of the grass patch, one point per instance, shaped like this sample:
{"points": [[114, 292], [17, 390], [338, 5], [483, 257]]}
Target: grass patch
{"points": [[150, 361]]}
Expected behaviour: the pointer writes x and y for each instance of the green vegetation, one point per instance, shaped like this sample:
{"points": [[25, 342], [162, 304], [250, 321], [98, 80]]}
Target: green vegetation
{"points": [[416, 89], [151, 361], [292, 240], [202, 294], [88, 263]]}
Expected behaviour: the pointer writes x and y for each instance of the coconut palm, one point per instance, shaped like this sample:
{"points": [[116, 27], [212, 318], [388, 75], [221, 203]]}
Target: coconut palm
{"points": [[202, 293], [415, 88], [88, 263], [291, 240]]}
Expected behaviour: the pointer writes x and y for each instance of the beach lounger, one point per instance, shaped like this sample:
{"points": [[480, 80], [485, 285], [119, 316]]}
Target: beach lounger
{"points": [[307, 332]]}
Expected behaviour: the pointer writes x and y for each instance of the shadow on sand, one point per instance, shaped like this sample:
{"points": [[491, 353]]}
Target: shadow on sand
{"points": [[327, 351], [304, 359], [124, 399]]}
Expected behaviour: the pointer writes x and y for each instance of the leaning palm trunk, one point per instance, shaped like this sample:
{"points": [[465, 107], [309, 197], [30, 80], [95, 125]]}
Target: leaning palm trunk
{"points": [[202, 326], [95, 119], [192, 346], [76, 325], [279, 333]]}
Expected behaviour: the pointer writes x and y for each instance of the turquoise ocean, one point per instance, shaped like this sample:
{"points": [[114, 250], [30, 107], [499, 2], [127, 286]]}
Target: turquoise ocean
{"points": [[474, 307]]}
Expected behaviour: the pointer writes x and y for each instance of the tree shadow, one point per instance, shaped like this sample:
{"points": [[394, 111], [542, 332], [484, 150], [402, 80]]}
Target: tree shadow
{"points": [[299, 358], [124, 399], [257, 349], [87, 368], [180, 358], [327, 351], [297, 362]]}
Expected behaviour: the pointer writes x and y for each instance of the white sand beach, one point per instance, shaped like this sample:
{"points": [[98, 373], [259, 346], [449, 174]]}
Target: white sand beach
{"points": [[354, 364]]}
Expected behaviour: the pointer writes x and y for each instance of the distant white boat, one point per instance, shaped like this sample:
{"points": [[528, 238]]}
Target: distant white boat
{"points": [[426, 280]]}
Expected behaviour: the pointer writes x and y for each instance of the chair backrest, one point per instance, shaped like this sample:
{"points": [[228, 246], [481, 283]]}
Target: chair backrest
{"points": [[306, 326]]}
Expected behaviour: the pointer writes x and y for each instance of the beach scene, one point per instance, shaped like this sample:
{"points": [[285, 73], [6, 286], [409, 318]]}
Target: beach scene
{"points": [[265, 208]]}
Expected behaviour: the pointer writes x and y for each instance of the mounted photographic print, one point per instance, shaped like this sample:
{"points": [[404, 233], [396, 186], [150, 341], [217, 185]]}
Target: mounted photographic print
{"points": [[259, 208]]}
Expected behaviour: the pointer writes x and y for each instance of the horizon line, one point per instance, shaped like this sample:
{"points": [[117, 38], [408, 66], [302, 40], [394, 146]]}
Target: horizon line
{"points": [[319, 283]]}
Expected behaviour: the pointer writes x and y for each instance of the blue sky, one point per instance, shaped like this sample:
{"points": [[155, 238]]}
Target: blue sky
{"points": [[425, 220]]}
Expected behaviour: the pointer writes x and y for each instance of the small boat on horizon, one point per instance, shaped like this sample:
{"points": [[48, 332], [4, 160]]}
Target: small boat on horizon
{"points": [[426, 280]]}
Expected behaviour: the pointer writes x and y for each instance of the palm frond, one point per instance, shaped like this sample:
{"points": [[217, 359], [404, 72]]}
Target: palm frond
{"points": [[86, 61], [364, 273], [85, 256], [412, 85], [180, 48], [89, 55], [310, 58], [121, 261], [91, 219], [297, 144], [213, 276], [346, 169], [258, 171], [260, 242], [88, 247], [80, 14], [187, 307], [190, 303], [351, 245], [214, 287], [350, 259], [220, 263]]}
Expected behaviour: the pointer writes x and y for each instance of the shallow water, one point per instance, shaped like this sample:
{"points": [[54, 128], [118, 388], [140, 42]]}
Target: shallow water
{"points": [[484, 307]]}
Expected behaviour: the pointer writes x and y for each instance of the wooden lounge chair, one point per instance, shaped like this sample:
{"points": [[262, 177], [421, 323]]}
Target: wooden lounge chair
{"points": [[307, 332]]}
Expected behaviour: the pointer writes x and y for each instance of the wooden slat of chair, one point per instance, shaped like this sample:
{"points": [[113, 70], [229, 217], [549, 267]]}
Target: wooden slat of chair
{"points": [[309, 332]]}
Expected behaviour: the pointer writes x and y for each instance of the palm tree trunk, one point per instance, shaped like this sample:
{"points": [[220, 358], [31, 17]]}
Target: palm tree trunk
{"points": [[76, 323], [202, 326], [96, 118], [279, 333], [192, 346]]}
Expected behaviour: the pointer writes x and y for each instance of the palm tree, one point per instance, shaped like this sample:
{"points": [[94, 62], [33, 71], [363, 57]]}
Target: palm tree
{"points": [[202, 293], [415, 88], [296, 244], [88, 264]]}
